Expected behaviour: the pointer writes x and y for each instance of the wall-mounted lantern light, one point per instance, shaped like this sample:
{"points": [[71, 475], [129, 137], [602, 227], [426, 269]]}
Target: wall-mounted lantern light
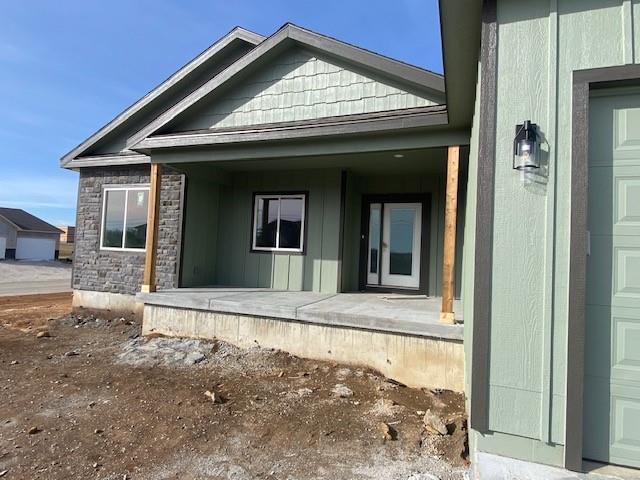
{"points": [[526, 151]]}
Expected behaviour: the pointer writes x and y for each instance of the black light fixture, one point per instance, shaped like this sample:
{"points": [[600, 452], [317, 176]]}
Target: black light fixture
{"points": [[526, 152]]}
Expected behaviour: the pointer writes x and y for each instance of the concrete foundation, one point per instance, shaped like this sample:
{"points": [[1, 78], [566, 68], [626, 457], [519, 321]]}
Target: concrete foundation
{"points": [[416, 361], [114, 302], [487, 466]]}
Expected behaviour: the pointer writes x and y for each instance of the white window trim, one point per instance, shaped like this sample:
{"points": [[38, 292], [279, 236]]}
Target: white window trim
{"points": [[279, 196], [126, 188]]}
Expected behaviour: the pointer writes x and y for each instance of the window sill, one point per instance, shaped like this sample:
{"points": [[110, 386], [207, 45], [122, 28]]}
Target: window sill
{"points": [[123, 250], [279, 251]]}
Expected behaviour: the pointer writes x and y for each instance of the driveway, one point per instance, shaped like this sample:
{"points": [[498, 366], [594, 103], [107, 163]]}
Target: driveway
{"points": [[24, 277]]}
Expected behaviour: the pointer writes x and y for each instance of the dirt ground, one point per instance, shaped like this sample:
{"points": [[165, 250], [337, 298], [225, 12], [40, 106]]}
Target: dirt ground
{"points": [[93, 400]]}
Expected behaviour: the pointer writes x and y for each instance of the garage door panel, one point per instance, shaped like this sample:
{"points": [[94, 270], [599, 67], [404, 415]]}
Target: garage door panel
{"points": [[626, 354], [29, 248], [612, 346], [617, 193], [625, 425]]}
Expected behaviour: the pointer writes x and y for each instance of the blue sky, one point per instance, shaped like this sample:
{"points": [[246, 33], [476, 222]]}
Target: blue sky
{"points": [[69, 67]]}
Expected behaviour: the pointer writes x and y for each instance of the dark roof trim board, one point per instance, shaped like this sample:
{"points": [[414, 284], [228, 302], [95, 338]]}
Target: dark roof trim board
{"points": [[132, 158], [402, 72], [237, 33], [379, 122], [25, 222]]}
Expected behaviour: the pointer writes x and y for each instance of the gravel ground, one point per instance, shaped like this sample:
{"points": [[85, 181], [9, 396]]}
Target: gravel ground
{"points": [[87, 397], [12, 271]]}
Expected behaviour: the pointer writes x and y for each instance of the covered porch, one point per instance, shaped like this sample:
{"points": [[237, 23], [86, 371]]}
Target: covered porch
{"points": [[349, 287], [378, 222]]}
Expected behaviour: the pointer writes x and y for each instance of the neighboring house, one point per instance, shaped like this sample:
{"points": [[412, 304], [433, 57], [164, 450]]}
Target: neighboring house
{"points": [[291, 172], [68, 233], [26, 237]]}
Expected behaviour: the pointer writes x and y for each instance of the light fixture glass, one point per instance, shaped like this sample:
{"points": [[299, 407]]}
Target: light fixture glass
{"points": [[526, 151], [398, 155]]}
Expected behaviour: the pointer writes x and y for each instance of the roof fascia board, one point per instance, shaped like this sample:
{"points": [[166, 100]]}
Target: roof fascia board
{"points": [[314, 147], [235, 34], [264, 47], [298, 131], [108, 160], [388, 67], [48, 232]]}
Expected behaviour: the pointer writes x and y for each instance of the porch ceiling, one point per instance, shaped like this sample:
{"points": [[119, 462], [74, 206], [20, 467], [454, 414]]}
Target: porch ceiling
{"points": [[430, 161], [404, 314]]}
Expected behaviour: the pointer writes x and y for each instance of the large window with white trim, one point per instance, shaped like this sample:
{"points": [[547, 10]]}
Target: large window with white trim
{"points": [[124, 218], [279, 222]]}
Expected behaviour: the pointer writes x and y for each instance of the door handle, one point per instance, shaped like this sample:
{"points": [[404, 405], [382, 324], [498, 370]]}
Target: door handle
{"points": [[384, 245]]}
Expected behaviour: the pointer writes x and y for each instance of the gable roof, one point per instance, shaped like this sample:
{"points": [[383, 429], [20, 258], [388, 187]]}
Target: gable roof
{"points": [[415, 77], [26, 222], [210, 54]]}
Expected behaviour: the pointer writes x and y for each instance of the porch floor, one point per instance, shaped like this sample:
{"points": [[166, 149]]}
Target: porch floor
{"points": [[404, 314]]}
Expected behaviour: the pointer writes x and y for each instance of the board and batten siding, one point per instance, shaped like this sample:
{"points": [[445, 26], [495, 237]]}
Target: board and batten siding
{"points": [[299, 85], [317, 269], [540, 44]]}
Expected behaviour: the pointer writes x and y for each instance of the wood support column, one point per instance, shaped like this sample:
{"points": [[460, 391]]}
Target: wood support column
{"points": [[449, 253], [153, 219]]}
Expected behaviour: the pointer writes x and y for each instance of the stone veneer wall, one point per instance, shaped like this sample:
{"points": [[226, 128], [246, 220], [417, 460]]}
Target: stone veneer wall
{"points": [[121, 272]]}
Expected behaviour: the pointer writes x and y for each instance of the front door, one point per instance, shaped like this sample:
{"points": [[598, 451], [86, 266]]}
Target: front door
{"points": [[612, 347], [394, 245]]}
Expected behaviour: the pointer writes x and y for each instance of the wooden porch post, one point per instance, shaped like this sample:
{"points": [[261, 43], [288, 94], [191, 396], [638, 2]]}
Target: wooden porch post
{"points": [[449, 253], [149, 279]]}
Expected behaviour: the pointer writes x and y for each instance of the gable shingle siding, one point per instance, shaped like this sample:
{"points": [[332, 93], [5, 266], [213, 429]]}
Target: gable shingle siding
{"points": [[121, 272], [301, 86]]}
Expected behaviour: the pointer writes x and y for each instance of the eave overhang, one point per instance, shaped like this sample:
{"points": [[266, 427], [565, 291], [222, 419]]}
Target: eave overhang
{"points": [[362, 124], [237, 34]]}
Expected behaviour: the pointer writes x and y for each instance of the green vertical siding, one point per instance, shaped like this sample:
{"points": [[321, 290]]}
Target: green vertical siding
{"points": [[540, 44], [317, 269], [200, 233]]}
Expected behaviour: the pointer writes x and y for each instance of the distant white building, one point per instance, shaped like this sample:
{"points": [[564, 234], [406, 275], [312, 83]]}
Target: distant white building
{"points": [[26, 237]]}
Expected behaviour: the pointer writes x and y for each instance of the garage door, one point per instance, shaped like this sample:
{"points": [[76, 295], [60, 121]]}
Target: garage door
{"points": [[612, 353], [35, 248]]}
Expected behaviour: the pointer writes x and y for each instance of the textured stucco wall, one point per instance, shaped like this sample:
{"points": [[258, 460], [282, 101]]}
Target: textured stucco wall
{"points": [[121, 272]]}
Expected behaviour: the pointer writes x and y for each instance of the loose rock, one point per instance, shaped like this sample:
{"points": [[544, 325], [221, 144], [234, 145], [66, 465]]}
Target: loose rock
{"points": [[33, 430], [305, 392], [43, 334], [434, 424], [342, 391], [387, 432], [215, 398]]}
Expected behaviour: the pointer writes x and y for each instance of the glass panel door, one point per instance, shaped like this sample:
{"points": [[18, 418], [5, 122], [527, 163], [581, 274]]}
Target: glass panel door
{"points": [[373, 256], [400, 259]]}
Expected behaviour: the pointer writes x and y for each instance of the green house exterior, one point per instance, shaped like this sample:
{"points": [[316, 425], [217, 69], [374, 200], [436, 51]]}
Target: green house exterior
{"points": [[546, 261], [537, 390]]}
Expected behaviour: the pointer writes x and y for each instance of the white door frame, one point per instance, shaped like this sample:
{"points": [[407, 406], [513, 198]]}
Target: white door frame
{"points": [[377, 270]]}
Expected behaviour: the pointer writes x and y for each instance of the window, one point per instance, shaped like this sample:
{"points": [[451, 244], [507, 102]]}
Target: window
{"points": [[278, 222], [124, 218]]}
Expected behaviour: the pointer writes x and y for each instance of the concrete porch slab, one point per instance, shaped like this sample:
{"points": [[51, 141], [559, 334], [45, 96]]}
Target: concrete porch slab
{"points": [[410, 315]]}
